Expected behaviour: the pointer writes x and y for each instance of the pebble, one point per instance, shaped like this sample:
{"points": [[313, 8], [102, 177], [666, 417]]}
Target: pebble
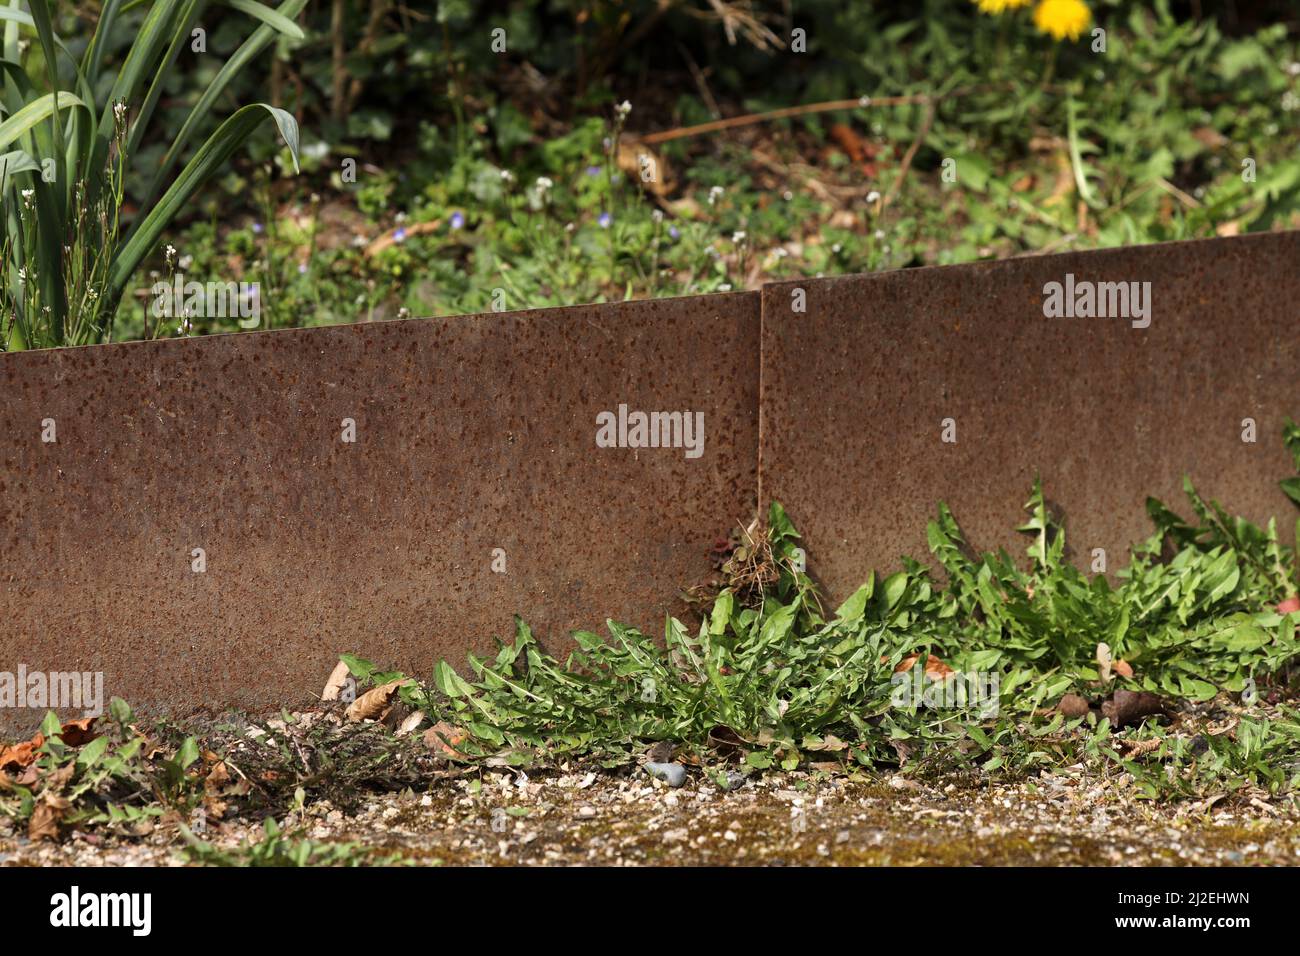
{"points": [[733, 780], [673, 774]]}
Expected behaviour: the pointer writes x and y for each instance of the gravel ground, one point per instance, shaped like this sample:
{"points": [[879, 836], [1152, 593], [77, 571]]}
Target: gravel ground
{"points": [[575, 818]]}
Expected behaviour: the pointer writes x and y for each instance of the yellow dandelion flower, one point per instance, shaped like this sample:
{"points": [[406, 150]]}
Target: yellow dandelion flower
{"points": [[1000, 6], [1062, 18]]}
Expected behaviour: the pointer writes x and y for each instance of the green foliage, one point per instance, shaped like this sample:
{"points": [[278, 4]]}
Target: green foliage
{"points": [[119, 778], [66, 263], [1055, 147], [278, 848], [790, 684]]}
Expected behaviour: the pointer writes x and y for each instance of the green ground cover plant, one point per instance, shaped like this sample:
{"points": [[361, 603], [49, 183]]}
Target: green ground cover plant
{"points": [[1204, 608]]}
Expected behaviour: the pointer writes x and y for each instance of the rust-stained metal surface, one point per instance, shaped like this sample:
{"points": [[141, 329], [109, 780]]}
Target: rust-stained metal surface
{"points": [[856, 389], [478, 433], [473, 433]]}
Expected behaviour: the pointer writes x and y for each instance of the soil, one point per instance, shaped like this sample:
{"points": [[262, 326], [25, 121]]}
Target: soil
{"points": [[598, 818]]}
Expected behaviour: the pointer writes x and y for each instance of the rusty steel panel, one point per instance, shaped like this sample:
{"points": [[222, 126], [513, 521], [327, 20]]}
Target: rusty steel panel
{"points": [[472, 434], [856, 390]]}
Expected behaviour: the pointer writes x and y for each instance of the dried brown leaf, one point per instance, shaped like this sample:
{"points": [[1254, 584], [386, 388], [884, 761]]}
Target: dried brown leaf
{"points": [[1072, 705], [218, 777], [935, 669], [373, 703], [1132, 707], [443, 739], [1104, 662], [338, 677], [46, 817], [78, 732], [21, 755], [409, 725]]}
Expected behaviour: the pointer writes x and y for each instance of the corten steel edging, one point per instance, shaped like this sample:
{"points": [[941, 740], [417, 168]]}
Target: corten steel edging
{"points": [[855, 391], [473, 433], [476, 433]]}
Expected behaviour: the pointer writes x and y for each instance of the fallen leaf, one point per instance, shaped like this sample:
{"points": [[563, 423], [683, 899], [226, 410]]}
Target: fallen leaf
{"points": [[645, 166], [218, 777], [1104, 662], [1123, 668], [412, 721], [1072, 705], [20, 756], [443, 739], [338, 677], [46, 816], [1132, 707], [78, 732], [935, 669], [372, 704], [58, 779], [214, 808]]}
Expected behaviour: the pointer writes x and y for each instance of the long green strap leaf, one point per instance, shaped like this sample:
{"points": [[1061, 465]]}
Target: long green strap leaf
{"points": [[94, 56], [63, 184], [141, 63], [272, 18], [14, 162], [249, 49], [212, 155], [36, 111], [186, 18]]}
